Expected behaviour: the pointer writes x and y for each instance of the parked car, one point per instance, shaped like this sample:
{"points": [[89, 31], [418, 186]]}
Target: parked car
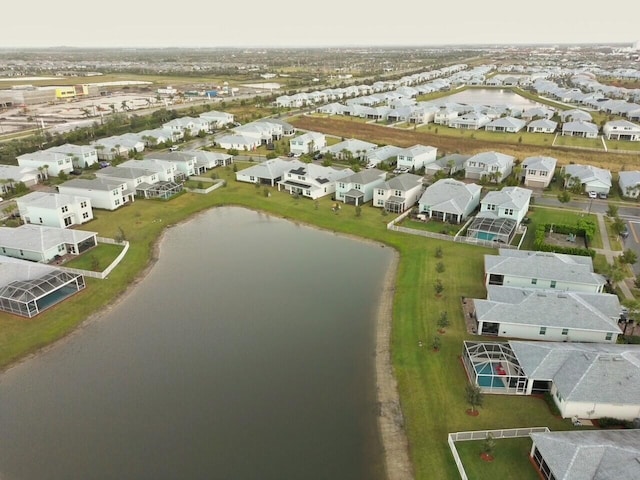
{"points": [[625, 232], [602, 195], [593, 195], [104, 164], [173, 148]]}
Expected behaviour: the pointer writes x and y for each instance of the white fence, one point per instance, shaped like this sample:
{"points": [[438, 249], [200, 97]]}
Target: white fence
{"points": [[218, 184], [102, 275], [481, 435]]}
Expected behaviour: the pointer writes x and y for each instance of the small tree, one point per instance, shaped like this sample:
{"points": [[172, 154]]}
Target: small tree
{"points": [[265, 192], [489, 445], [358, 210], [435, 344], [438, 252], [439, 287], [612, 211], [628, 257], [443, 321], [474, 397], [564, 196], [439, 267]]}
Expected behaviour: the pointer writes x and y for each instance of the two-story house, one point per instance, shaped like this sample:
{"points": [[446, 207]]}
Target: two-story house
{"points": [[399, 193], [54, 209], [358, 188], [492, 166]]}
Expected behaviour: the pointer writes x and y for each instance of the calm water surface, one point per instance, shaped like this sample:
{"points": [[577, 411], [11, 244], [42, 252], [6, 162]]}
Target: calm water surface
{"points": [[490, 97], [246, 353]]}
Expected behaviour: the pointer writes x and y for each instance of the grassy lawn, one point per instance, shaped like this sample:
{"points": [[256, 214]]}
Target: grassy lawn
{"points": [[566, 141], [541, 215], [431, 385], [433, 226], [622, 145], [510, 460], [96, 259], [539, 139]]}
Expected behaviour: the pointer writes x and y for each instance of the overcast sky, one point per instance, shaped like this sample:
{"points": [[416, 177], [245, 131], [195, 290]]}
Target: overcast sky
{"points": [[252, 23]]}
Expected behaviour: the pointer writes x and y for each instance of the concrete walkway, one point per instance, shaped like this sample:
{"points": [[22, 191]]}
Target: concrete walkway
{"points": [[610, 254]]}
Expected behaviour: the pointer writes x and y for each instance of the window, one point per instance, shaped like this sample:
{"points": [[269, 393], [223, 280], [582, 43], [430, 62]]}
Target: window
{"points": [[552, 284], [544, 173], [380, 202], [83, 204], [85, 215], [534, 281], [398, 193], [608, 336], [117, 202], [380, 192], [532, 172], [67, 221], [543, 330], [252, 178], [565, 331], [65, 209], [508, 211]]}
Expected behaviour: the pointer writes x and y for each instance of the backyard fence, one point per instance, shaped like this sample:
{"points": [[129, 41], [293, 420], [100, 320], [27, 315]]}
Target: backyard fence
{"points": [[482, 435], [101, 275]]}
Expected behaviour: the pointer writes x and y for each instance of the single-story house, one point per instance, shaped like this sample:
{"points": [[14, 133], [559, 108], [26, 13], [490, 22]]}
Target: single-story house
{"points": [[378, 155], [312, 181], [29, 176], [448, 164], [629, 183], [575, 115], [399, 193], [165, 170], [358, 188], [538, 171], [593, 454], [593, 179], [550, 315], [54, 209], [38, 243], [350, 148], [269, 172], [580, 129], [621, 130], [505, 124], [547, 270], [238, 142], [470, 121], [184, 162], [28, 288], [585, 380], [535, 113], [450, 200], [542, 125]]}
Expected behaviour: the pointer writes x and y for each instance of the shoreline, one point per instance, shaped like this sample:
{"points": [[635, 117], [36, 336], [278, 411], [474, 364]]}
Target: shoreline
{"points": [[390, 419]]}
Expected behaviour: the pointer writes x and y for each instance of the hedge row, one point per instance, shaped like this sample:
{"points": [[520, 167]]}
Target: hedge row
{"points": [[540, 240]]}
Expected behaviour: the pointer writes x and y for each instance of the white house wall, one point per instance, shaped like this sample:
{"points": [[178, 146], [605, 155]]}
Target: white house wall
{"points": [[525, 282], [552, 334]]}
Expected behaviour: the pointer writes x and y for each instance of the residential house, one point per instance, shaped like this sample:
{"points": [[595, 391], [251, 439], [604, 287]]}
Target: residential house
{"points": [[538, 171], [510, 202], [54, 209], [592, 179], [269, 172], [621, 130], [12, 174], [50, 163], [157, 137], [38, 243], [445, 115], [585, 380], [416, 157], [351, 148], [594, 453], [575, 115], [312, 181], [384, 154], [308, 142], [206, 160], [547, 270], [136, 179], [265, 132], [218, 119], [358, 188], [184, 162], [535, 314], [580, 129], [542, 125], [166, 170], [282, 129], [492, 165], [536, 113], [450, 200], [629, 183], [110, 148], [28, 288], [238, 142], [82, 156], [505, 124], [399, 193], [470, 121], [105, 193], [446, 165]]}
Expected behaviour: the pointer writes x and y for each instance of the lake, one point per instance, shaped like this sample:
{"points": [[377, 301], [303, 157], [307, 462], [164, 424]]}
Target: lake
{"points": [[490, 97], [247, 352]]}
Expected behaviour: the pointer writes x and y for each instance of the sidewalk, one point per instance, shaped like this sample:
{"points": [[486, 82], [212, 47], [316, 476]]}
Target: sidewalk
{"points": [[610, 254]]}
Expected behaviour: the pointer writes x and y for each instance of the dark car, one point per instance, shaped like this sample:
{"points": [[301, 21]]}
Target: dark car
{"points": [[76, 171], [104, 164], [625, 232], [318, 156]]}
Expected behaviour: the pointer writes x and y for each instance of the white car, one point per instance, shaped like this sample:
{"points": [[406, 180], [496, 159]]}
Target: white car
{"points": [[593, 195]]}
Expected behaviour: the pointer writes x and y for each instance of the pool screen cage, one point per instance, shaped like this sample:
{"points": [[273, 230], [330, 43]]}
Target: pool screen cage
{"points": [[496, 229], [494, 367], [29, 297]]}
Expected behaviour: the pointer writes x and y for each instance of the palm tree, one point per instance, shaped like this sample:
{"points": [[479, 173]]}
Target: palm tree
{"points": [[45, 168]]}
